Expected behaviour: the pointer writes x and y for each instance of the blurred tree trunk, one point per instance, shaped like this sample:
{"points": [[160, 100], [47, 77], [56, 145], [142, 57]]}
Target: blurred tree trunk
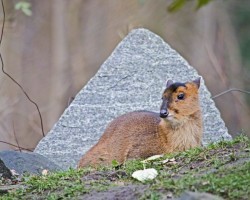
{"points": [[60, 59], [60, 47]]}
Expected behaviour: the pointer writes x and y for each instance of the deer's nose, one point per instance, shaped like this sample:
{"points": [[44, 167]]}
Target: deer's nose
{"points": [[163, 113]]}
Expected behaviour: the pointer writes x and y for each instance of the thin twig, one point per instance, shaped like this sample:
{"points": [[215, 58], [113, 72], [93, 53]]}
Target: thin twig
{"points": [[230, 90], [16, 146], [25, 93], [1, 37], [14, 132]]}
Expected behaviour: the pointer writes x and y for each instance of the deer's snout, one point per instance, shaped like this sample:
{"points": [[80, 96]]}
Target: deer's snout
{"points": [[164, 109], [164, 113]]}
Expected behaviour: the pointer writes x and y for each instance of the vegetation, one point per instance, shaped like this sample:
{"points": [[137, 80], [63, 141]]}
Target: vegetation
{"points": [[178, 4], [24, 6], [222, 169]]}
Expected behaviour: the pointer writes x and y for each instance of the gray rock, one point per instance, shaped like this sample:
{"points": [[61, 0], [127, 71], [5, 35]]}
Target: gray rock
{"points": [[27, 162], [198, 196], [4, 171], [132, 78]]}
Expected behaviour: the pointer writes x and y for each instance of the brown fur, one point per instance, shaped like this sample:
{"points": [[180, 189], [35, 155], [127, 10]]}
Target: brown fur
{"points": [[141, 134]]}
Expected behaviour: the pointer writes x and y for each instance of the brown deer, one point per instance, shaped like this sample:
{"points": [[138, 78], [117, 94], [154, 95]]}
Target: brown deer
{"points": [[141, 134]]}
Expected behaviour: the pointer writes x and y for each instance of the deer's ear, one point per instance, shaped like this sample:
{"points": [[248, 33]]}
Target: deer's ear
{"points": [[168, 83], [197, 81]]}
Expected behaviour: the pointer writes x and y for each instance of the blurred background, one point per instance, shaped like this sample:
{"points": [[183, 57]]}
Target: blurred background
{"points": [[53, 47]]}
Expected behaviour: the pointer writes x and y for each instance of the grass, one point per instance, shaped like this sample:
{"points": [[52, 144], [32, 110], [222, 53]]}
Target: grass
{"points": [[222, 169], [231, 183], [60, 185]]}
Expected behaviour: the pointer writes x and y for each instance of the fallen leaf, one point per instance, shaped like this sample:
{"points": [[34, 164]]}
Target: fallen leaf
{"points": [[205, 183], [169, 161], [165, 161], [152, 158], [14, 173], [144, 175]]}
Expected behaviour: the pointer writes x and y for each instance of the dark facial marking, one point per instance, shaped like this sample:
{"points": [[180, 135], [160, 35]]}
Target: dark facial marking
{"points": [[176, 111], [173, 87], [167, 98]]}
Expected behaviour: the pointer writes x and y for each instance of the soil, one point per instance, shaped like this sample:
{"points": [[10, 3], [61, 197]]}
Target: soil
{"points": [[127, 192]]}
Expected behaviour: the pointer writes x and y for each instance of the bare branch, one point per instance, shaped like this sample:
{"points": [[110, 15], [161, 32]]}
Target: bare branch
{"points": [[16, 146], [25, 93], [230, 90], [14, 131]]}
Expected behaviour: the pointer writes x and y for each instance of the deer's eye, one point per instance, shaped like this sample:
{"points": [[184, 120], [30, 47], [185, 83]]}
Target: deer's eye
{"points": [[180, 96]]}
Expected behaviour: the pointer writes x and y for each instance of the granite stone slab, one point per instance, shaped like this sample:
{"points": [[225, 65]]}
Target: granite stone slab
{"points": [[132, 78], [30, 162]]}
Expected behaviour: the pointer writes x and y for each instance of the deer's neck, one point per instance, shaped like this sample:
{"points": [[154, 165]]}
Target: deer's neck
{"points": [[180, 136]]}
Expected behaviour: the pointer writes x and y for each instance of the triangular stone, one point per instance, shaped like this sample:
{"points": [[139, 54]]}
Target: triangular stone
{"points": [[132, 78]]}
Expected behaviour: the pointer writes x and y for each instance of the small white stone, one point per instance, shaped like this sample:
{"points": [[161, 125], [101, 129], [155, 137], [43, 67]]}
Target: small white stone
{"points": [[45, 172], [144, 175]]}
